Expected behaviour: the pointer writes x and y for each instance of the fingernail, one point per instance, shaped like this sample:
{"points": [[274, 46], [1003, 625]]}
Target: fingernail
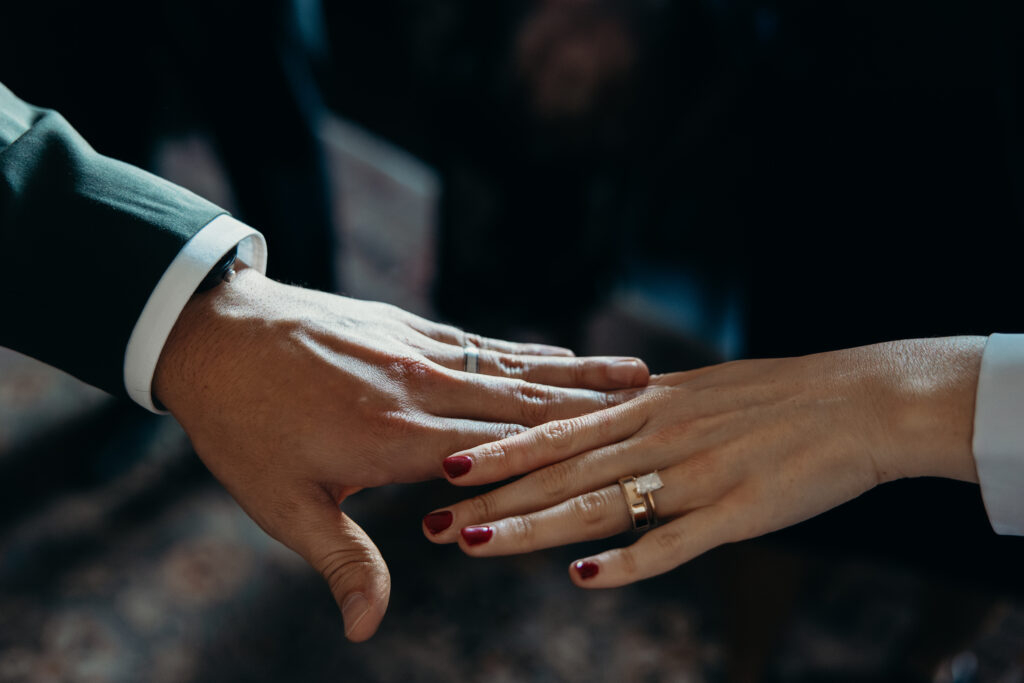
{"points": [[457, 465], [353, 610], [437, 522], [585, 569], [624, 372], [475, 535]]}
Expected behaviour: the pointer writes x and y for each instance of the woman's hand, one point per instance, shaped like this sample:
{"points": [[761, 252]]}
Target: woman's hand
{"points": [[295, 399], [743, 449]]}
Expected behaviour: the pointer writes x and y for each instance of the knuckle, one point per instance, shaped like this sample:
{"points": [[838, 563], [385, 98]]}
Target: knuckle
{"points": [[509, 461], [511, 366], [628, 562], [523, 529], [408, 370], [535, 401], [589, 508], [495, 452], [509, 430], [483, 507], [516, 461], [560, 434], [556, 480], [580, 371]]}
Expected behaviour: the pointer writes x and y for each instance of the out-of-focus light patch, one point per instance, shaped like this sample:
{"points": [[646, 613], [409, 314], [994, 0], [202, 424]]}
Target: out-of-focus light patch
{"points": [[683, 301]]}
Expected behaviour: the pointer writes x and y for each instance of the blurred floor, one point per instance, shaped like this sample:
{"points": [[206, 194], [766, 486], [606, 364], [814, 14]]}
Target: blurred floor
{"points": [[122, 560]]}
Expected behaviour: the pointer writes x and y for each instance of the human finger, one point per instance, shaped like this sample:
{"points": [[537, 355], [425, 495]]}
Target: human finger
{"points": [[591, 515], [549, 443], [536, 491], [658, 551], [498, 399], [438, 437], [456, 337], [691, 481], [348, 560], [593, 372], [466, 434], [527, 348]]}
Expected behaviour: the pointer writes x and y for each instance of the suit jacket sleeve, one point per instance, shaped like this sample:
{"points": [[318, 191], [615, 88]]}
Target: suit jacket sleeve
{"points": [[84, 239]]}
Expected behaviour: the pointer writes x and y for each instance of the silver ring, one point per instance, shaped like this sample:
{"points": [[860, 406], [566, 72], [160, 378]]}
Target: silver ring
{"points": [[472, 356]]}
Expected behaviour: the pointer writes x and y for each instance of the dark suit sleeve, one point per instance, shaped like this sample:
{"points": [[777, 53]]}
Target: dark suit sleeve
{"points": [[83, 241]]}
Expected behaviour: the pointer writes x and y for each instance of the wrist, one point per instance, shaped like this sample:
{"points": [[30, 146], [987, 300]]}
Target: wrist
{"points": [[199, 338], [924, 394]]}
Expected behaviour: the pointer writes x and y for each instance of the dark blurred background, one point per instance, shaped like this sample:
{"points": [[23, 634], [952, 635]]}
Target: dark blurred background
{"points": [[688, 182]]}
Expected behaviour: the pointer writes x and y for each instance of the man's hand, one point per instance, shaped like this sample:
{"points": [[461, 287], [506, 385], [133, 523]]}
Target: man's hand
{"points": [[295, 399]]}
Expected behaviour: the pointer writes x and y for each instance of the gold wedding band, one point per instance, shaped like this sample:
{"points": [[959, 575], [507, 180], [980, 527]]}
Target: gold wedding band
{"points": [[639, 495]]}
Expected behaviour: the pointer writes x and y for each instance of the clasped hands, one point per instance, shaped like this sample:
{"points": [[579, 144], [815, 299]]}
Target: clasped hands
{"points": [[296, 399]]}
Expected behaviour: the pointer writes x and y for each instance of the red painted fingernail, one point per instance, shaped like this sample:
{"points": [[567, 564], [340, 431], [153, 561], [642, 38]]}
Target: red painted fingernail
{"points": [[475, 535], [586, 570], [457, 465], [437, 522]]}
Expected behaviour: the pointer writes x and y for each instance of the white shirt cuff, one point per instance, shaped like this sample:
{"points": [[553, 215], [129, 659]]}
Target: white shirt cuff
{"points": [[188, 269], [999, 432]]}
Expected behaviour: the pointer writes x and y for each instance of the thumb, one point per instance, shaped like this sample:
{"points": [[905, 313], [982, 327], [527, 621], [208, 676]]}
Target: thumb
{"points": [[351, 564]]}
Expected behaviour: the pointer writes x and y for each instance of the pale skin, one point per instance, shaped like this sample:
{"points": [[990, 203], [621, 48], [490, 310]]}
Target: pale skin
{"points": [[296, 399], [743, 449]]}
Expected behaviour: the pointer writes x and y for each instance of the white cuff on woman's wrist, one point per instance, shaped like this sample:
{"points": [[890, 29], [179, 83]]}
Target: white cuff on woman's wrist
{"points": [[999, 432], [195, 260]]}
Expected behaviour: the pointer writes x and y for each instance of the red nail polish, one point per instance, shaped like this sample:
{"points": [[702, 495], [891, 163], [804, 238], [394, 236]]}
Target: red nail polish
{"points": [[437, 522], [586, 570], [475, 535], [457, 465]]}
